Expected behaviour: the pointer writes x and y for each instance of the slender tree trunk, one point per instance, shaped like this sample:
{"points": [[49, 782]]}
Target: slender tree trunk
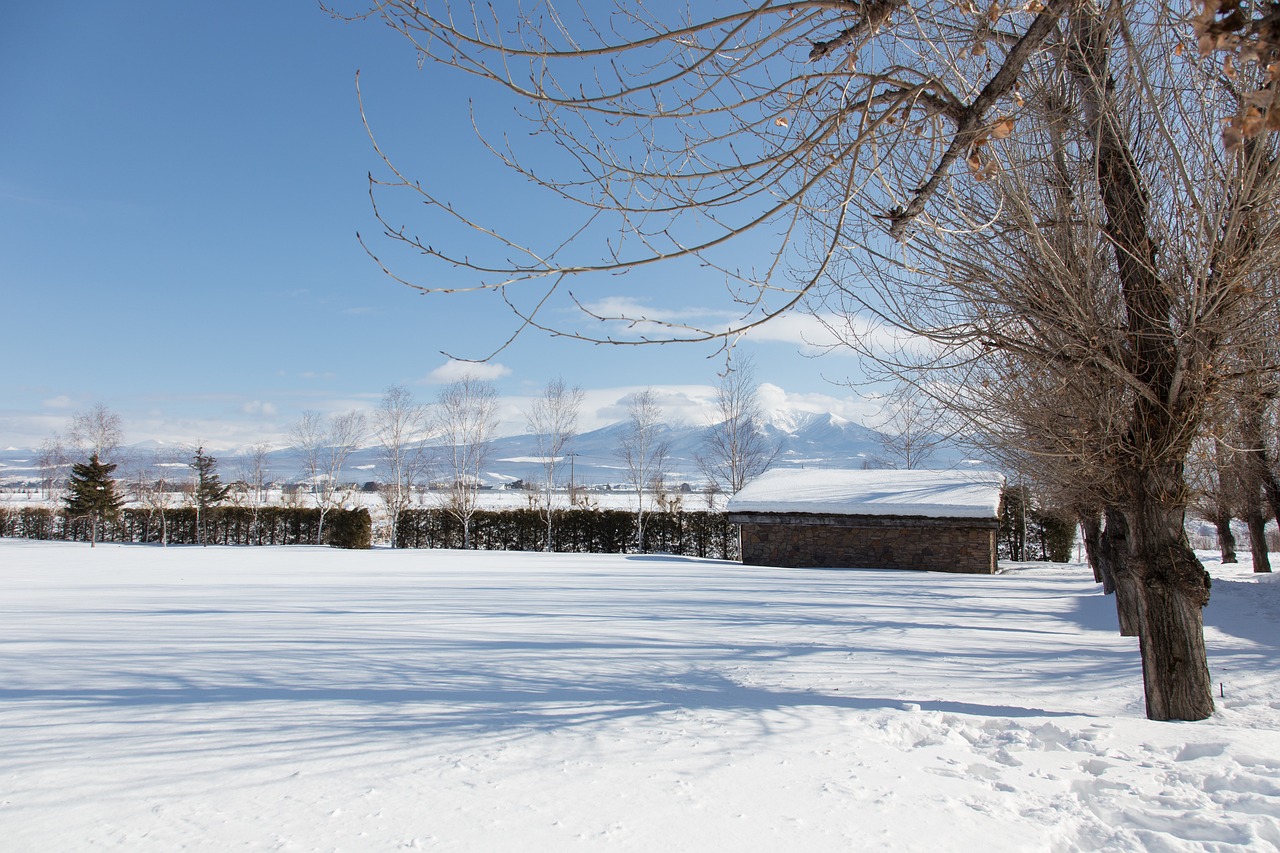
{"points": [[1090, 521], [1271, 486], [1226, 539], [1257, 524], [1259, 479]]}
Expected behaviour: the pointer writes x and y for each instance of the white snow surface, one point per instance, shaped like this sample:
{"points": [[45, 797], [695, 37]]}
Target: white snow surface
{"points": [[304, 698], [928, 494]]}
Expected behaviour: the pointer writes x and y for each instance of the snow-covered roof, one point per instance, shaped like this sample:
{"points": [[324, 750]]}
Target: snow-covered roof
{"points": [[931, 494]]}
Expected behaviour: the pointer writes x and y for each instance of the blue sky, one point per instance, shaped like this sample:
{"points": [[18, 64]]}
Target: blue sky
{"points": [[180, 189]]}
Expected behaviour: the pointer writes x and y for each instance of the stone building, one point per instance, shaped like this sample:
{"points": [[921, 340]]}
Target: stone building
{"points": [[942, 521]]}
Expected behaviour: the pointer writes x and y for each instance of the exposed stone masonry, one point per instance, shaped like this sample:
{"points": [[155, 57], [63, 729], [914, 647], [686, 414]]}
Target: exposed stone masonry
{"points": [[806, 540]]}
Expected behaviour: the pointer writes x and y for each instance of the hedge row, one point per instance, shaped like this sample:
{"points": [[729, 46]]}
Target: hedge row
{"points": [[223, 526], [692, 534], [607, 531]]}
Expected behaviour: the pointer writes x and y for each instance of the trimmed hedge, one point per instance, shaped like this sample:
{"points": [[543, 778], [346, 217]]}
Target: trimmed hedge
{"points": [[352, 529], [609, 531], [589, 531], [224, 525]]}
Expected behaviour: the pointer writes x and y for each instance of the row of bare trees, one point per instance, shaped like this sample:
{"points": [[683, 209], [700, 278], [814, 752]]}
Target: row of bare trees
{"points": [[1058, 218], [446, 444]]}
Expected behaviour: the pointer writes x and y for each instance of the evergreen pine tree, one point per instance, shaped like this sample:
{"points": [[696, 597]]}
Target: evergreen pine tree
{"points": [[92, 494], [209, 489]]}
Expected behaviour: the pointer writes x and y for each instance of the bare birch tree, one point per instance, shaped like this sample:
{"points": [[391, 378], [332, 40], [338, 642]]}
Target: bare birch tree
{"points": [[255, 473], [97, 431], [735, 449], [400, 427], [553, 421], [912, 425], [53, 462], [156, 490], [466, 423], [325, 444], [643, 448]]}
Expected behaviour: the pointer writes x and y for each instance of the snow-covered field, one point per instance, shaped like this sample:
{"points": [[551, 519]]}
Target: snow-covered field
{"points": [[309, 699]]}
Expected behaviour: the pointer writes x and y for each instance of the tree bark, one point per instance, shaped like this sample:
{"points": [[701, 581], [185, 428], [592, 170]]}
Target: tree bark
{"points": [[1259, 479], [1124, 583], [1174, 589], [1257, 523], [1090, 521]]}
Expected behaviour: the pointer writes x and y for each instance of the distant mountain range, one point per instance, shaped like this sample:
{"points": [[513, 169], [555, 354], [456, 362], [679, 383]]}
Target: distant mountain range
{"points": [[807, 439]]}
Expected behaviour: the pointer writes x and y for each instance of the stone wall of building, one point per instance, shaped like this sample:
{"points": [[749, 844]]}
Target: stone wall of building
{"points": [[802, 540]]}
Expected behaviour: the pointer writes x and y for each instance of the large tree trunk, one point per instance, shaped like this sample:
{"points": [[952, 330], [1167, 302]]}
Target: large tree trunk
{"points": [[1174, 589]]}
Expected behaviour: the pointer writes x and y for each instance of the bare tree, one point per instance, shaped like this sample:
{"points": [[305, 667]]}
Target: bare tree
{"points": [[255, 473], [1212, 473], [325, 445], [1255, 473], [400, 427], [155, 489], [643, 448], [53, 463], [912, 426], [1136, 254], [968, 161], [735, 449], [466, 423], [97, 431], [706, 133], [553, 420]]}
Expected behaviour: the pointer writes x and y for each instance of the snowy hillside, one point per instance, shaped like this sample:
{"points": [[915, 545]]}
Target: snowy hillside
{"points": [[310, 699]]}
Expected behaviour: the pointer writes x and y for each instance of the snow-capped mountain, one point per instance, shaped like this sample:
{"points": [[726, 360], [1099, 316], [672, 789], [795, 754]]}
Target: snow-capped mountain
{"points": [[806, 439]]}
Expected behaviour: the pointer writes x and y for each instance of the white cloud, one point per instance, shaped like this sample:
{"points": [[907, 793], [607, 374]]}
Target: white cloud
{"points": [[819, 334], [688, 405], [681, 404], [808, 332], [811, 333], [257, 407], [452, 371], [853, 407], [62, 401]]}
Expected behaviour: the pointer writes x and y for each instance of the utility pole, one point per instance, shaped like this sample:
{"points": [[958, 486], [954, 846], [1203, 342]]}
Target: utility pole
{"points": [[572, 454]]}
